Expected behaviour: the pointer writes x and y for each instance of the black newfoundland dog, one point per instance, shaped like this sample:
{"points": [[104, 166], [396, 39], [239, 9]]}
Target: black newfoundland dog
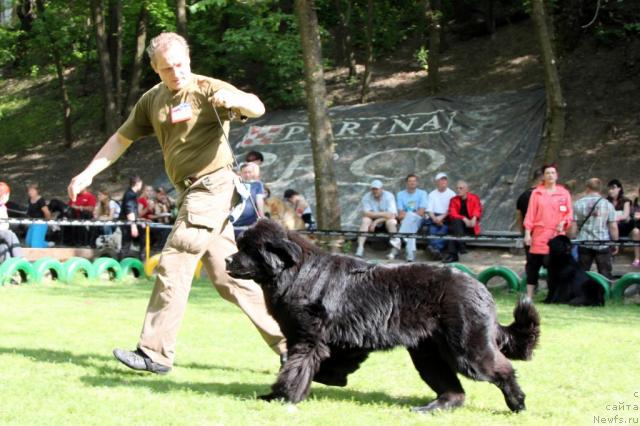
{"points": [[566, 280], [335, 309]]}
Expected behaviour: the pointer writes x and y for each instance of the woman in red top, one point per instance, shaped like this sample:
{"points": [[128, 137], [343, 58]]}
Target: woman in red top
{"points": [[549, 214]]}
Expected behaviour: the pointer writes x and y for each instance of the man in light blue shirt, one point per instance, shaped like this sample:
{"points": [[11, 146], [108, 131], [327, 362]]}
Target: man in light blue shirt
{"points": [[378, 208], [412, 204]]}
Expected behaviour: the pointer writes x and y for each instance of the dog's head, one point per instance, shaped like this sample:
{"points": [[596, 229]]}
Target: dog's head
{"points": [[264, 251], [560, 246]]}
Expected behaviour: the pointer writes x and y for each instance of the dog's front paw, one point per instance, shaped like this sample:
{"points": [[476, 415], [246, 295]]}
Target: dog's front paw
{"points": [[272, 397]]}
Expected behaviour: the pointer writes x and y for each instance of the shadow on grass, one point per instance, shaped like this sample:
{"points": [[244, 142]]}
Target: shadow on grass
{"points": [[116, 375], [97, 362], [249, 391]]}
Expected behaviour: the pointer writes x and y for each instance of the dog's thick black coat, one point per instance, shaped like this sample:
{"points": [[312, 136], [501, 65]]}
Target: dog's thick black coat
{"points": [[567, 281], [335, 309]]}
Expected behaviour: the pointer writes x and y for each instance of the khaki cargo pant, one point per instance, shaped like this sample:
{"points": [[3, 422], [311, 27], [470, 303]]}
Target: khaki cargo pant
{"points": [[202, 231]]}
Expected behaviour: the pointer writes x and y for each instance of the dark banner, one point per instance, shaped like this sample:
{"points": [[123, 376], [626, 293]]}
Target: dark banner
{"points": [[489, 141]]}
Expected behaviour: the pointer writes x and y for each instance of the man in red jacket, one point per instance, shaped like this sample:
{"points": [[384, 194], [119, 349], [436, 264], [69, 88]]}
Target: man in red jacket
{"points": [[465, 211]]}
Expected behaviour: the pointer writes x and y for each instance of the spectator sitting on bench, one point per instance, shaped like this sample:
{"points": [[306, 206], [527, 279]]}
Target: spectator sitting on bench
{"points": [[9, 243], [378, 209], [412, 204], [437, 210], [465, 211], [37, 209]]}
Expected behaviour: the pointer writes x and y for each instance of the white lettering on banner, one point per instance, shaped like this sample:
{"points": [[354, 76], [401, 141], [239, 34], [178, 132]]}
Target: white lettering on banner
{"points": [[431, 163], [348, 127], [421, 123], [294, 130], [406, 127], [296, 163]]}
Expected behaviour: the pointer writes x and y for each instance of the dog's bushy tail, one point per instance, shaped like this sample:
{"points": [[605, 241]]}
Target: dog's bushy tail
{"points": [[517, 340]]}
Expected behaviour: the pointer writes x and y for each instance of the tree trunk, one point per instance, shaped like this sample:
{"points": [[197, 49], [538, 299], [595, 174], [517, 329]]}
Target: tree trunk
{"points": [[433, 18], [346, 54], [136, 65], [66, 104], [489, 16], [111, 119], [114, 41], [555, 111], [181, 17], [366, 78], [322, 142]]}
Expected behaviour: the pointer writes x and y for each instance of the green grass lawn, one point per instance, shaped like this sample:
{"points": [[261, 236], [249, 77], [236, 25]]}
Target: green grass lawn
{"points": [[56, 367]]}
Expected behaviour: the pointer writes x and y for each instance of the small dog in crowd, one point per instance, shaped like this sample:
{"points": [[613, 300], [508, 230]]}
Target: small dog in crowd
{"points": [[567, 281], [335, 309]]}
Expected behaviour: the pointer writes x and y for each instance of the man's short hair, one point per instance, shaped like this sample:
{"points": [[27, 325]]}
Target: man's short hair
{"points": [[594, 184], [164, 40], [411, 175], [133, 180]]}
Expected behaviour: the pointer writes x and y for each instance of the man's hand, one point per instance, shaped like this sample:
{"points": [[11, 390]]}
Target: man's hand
{"points": [[375, 223], [134, 231], [225, 98], [77, 184]]}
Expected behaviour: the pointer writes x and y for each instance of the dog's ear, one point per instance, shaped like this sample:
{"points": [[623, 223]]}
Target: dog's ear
{"points": [[286, 250]]}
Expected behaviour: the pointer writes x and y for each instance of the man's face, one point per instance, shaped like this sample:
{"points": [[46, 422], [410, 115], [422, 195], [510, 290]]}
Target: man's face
{"points": [[377, 192], [412, 183], [173, 66], [462, 189], [442, 184]]}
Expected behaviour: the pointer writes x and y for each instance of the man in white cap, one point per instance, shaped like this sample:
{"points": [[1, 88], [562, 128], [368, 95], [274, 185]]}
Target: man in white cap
{"points": [[379, 208], [437, 210]]}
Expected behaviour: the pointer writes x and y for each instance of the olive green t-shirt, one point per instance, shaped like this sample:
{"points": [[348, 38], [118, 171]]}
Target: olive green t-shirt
{"points": [[192, 147]]}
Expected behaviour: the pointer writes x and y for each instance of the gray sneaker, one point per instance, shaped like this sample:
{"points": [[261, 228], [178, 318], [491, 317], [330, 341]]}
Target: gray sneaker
{"points": [[360, 252], [138, 360]]}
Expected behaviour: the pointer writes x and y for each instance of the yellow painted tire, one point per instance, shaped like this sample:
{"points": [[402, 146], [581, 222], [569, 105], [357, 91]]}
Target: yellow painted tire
{"points": [[152, 263]]}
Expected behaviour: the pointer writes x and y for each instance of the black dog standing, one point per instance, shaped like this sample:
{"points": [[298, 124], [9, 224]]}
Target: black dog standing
{"points": [[336, 309], [567, 281]]}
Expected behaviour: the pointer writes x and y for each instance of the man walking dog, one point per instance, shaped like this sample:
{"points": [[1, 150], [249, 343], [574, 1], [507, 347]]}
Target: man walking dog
{"points": [[190, 116]]}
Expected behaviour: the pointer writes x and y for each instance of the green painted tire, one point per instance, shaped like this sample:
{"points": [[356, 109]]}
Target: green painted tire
{"points": [[461, 267], [512, 279], [605, 283], [77, 265], [48, 265], [625, 281], [13, 266], [132, 266], [108, 265]]}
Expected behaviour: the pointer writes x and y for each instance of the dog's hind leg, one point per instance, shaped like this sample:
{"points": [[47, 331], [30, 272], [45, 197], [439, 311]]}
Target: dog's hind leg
{"points": [[438, 374], [294, 379]]}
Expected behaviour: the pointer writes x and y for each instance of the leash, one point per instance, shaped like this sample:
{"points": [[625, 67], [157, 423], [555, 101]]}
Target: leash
{"points": [[232, 115]]}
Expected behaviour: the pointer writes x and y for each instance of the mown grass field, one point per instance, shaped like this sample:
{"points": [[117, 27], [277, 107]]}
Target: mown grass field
{"points": [[56, 368]]}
